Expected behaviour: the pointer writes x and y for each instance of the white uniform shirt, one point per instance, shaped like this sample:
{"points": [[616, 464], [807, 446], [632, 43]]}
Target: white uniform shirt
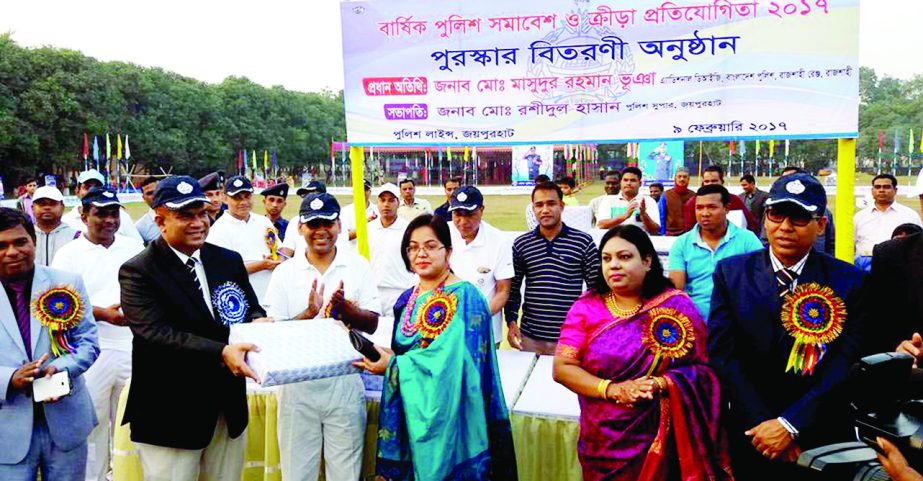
{"points": [[385, 253], [126, 228], [290, 284], [99, 266], [348, 222], [247, 238], [873, 226], [616, 205], [293, 239], [410, 212], [483, 262]]}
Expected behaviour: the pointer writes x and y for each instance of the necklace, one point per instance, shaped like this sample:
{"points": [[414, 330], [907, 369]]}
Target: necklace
{"points": [[408, 326], [616, 310]]}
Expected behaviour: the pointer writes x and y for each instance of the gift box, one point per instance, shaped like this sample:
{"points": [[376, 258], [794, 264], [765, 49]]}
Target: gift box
{"points": [[298, 350]]}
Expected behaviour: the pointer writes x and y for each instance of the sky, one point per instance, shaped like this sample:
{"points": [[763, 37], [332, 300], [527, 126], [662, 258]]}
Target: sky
{"points": [[297, 43]]}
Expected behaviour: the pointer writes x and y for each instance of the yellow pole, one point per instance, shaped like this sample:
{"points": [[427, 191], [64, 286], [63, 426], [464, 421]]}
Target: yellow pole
{"points": [[357, 160], [845, 199]]}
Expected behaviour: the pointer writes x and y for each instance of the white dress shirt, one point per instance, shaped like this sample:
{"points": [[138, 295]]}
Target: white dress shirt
{"points": [[873, 226], [348, 222], [199, 273], [615, 205], [99, 266], [290, 284], [385, 252], [797, 268], [247, 238], [483, 262]]}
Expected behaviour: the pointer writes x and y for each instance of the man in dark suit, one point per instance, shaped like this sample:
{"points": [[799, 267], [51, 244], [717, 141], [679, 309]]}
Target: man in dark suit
{"points": [[754, 198], [893, 298], [187, 401], [767, 309]]}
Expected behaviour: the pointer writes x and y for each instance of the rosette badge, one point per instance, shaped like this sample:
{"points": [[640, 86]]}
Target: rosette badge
{"points": [[669, 335], [231, 303], [814, 316], [435, 316], [59, 309]]}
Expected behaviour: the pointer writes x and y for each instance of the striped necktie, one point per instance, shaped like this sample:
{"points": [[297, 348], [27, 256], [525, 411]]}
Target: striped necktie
{"points": [[23, 317], [190, 265], [785, 278]]}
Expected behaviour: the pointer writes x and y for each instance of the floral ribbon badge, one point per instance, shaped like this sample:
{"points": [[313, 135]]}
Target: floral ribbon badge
{"points": [[231, 303], [59, 309], [668, 335], [814, 316], [435, 316]]}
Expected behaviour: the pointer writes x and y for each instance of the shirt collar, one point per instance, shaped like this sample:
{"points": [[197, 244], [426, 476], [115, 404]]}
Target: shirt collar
{"points": [[729, 234], [339, 260], [538, 231], [197, 255], [235, 220], [778, 266]]}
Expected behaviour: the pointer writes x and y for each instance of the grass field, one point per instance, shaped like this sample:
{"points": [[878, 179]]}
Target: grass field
{"points": [[506, 211]]}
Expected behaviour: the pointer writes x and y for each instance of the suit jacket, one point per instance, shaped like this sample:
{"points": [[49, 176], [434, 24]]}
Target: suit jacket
{"points": [[71, 419], [749, 348], [893, 306], [758, 205], [179, 383]]}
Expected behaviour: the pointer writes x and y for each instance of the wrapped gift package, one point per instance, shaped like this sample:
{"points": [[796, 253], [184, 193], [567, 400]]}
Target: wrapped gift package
{"points": [[295, 351]]}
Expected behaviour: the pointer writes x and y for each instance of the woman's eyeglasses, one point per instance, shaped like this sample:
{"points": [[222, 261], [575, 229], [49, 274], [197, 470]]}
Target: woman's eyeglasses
{"points": [[414, 250]]}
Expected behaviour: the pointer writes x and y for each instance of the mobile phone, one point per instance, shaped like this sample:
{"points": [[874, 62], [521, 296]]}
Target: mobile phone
{"points": [[56, 386], [364, 346]]}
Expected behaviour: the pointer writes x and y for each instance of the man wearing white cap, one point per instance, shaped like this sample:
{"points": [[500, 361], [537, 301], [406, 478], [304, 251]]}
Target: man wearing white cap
{"points": [[246, 233], [85, 181], [385, 235], [97, 256], [50, 233]]}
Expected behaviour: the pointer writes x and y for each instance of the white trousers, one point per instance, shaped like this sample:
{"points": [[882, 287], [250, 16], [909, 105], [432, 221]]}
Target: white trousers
{"points": [[323, 416], [105, 380], [221, 460]]}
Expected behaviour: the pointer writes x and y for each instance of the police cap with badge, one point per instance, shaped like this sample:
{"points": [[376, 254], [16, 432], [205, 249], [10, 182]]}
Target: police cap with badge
{"points": [[238, 184], [319, 206], [178, 192], [278, 190]]}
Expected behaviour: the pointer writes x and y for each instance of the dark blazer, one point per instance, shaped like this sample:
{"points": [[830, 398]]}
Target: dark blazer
{"points": [[758, 206], [894, 298], [179, 384], [749, 348]]}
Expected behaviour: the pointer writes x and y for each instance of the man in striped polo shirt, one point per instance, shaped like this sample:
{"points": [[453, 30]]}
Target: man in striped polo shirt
{"points": [[555, 261]]}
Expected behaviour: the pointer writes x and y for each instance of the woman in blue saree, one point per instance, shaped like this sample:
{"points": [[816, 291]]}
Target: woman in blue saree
{"points": [[442, 415]]}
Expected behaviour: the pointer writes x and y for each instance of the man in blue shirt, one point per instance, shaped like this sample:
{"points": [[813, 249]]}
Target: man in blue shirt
{"points": [[696, 253]]}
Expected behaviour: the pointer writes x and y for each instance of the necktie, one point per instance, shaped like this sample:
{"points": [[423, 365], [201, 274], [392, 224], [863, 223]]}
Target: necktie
{"points": [[785, 278], [23, 318], [190, 265]]}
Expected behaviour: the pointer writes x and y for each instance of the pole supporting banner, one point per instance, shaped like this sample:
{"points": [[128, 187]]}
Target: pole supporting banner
{"points": [[845, 199], [357, 161]]}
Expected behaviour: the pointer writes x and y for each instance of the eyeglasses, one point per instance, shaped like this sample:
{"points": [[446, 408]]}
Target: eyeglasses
{"points": [[797, 220], [414, 251]]}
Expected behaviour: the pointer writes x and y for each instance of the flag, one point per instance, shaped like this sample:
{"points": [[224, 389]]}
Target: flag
{"points": [[772, 148], [108, 147], [921, 140], [86, 147], [731, 148], [910, 145], [743, 148], [265, 161], [96, 152], [127, 150], [253, 162], [243, 170], [757, 152], [897, 141], [448, 153], [240, 161], [275, 166], [787, 145], [118, 146], [467, 154]]}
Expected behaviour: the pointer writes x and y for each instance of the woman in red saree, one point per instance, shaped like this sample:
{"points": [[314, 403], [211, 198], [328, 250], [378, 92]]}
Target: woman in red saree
{"points": [[633, 349]]}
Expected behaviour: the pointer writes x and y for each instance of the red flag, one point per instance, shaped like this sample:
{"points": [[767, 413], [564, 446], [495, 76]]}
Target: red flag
{"points": [[240, 160], [86, 146], [732, 147], [881, 140]]}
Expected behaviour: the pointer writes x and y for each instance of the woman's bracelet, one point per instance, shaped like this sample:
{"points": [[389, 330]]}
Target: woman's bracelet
{"points": [[602, 387], [661, 384]]}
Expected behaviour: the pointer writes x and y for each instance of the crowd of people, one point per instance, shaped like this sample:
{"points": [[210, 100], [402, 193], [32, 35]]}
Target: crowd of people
{"points": [[725, 363]]}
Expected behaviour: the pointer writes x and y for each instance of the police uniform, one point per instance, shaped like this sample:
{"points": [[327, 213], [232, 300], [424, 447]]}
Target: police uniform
{"points": [[278, 190], [211, 182], [326, 415]]}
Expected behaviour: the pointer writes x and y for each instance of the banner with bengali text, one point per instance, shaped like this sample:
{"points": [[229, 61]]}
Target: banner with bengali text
{"points": [[483, 72]]}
